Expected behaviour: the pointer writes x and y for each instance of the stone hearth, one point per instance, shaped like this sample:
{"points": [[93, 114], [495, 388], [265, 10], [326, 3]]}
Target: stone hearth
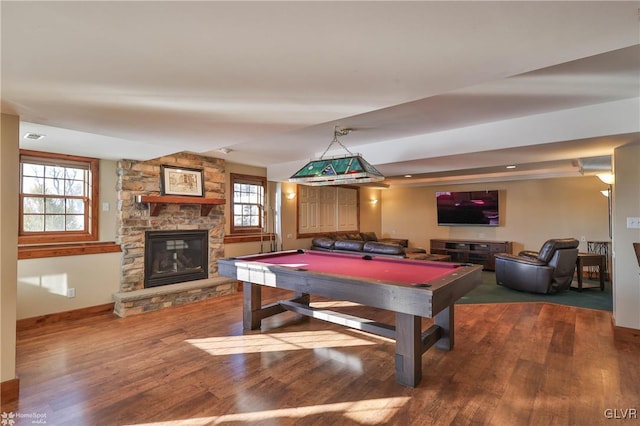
{"points": [[154, 298]]}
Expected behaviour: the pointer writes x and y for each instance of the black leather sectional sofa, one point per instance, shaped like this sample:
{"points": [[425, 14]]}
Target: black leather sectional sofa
{"points": [[362, 243]]}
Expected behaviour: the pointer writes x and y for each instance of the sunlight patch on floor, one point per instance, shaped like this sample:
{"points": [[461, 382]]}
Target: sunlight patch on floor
{"points": [[364, 412], [269, 342], [353, 362]]}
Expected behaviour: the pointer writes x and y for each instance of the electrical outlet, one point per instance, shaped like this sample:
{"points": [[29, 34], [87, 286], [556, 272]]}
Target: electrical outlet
{"points": [[71, 293]]}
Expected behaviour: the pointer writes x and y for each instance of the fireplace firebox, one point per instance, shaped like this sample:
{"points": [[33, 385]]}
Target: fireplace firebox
{"points": [[175, 256]]}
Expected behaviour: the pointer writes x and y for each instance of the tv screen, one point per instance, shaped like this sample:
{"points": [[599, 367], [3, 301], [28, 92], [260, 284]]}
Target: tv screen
{"points": [[468, 208]]}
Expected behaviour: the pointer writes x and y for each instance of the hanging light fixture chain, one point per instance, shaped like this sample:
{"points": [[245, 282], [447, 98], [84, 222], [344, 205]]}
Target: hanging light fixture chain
{"points": [[337, 132]]}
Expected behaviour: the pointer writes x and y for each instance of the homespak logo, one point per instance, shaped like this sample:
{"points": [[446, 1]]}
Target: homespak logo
{"points": [[10, 418]]}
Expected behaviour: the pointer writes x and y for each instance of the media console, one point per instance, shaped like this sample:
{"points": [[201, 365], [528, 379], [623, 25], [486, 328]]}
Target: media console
{"points": [[472, 251]]}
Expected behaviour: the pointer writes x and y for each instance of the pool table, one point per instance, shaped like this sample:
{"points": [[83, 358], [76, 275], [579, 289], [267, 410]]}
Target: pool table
{"points": [[411, 288]]}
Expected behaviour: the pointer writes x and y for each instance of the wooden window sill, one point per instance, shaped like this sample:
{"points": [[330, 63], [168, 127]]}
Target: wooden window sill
{"points": [[327, 234], [245, 238], [72, 249]]}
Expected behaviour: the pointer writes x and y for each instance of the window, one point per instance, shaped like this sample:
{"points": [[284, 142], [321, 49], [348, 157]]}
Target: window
{"points": [[58, 198], [247, 204]]}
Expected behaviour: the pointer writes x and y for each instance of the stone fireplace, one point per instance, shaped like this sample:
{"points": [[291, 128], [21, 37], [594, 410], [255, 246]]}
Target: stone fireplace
{"points": [[147, 287]]}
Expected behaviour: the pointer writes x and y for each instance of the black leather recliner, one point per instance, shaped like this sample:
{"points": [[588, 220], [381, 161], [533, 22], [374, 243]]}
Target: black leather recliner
{"points": [[548, 271]]}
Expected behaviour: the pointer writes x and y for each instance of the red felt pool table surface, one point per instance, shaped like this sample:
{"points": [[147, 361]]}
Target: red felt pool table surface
{"points": [[381, 269]]}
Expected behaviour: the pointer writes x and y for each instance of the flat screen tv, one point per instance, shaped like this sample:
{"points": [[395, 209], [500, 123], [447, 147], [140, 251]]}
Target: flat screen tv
{"points": [[476, 208]]}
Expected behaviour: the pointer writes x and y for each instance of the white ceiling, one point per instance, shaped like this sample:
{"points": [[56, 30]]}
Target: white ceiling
{"points": [[446, 91]]}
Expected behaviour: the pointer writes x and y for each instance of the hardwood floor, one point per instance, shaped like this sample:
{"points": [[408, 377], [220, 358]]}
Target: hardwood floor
{"points": [[513, 364]]}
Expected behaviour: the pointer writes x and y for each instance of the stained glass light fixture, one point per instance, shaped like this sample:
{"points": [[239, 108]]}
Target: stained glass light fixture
{"points": [[340, 170]]}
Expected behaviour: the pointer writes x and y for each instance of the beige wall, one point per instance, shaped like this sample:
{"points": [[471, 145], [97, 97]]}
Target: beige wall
{"points": [[532, 211], [626, 273], [289, 212], [371, 210], [8, 243], [109, 195], [43, 283]]}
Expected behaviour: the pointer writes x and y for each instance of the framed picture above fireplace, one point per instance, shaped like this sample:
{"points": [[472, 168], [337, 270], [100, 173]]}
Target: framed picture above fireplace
{"points": [[181, 181]]}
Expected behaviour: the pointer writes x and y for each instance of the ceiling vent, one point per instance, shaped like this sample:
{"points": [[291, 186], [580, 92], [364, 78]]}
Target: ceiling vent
{"points": [[33, 136]]}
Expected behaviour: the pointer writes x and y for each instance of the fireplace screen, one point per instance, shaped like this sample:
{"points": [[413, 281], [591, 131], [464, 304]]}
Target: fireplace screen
{"points": [[175, 256]]}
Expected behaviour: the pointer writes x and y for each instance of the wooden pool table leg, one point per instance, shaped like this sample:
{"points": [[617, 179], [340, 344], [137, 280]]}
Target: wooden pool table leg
{"points": [[444, 319], [408, 349], [252, 310], [251, 305]]}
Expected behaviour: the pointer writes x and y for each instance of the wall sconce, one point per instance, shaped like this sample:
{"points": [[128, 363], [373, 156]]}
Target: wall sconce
{"points": [[291, 195], [373, 201], [607, 178]]}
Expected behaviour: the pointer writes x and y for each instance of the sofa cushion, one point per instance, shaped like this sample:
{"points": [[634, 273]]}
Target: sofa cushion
{"points": [[413, 250], [382, 248], [402, 241], [369, 236], [353, 245], [323, 242]]}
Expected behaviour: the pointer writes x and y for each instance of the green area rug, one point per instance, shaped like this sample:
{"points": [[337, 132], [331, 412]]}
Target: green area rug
{"points": [[490, 292]]}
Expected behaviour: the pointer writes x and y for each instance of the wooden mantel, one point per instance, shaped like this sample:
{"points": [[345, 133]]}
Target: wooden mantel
{"points": [[157, 201]]}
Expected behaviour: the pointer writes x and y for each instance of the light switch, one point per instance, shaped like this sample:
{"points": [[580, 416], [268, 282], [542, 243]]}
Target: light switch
{"points": [[105, 207], [633, 222]]}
